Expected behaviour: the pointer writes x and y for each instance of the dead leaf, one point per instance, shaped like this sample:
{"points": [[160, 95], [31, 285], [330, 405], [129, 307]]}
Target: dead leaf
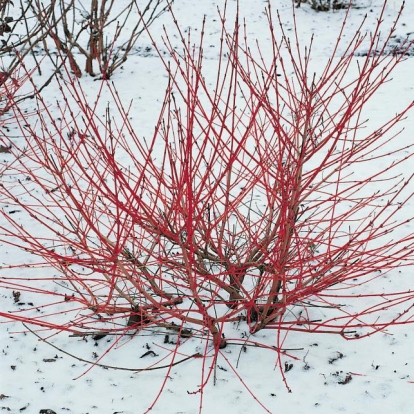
{"points": [[5, 150]]}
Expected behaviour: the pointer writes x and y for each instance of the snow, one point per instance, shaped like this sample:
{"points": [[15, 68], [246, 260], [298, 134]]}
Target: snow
{"points": [[329, 374]]}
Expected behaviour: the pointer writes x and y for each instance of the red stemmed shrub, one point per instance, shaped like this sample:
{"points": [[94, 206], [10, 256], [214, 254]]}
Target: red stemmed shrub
{"points": [[255, 199]]}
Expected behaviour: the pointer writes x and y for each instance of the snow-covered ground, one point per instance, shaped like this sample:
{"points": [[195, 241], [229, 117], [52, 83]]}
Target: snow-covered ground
{"points": [[330, 374]]}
